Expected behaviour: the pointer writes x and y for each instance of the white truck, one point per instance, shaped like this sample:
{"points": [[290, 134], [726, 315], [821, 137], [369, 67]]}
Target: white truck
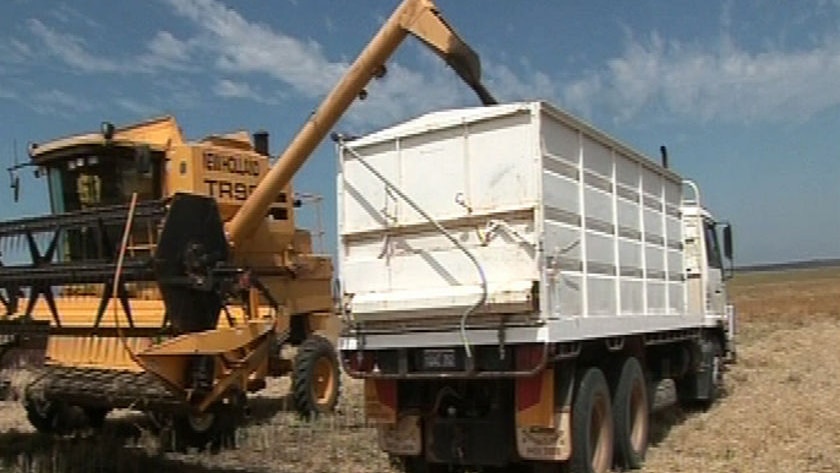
{"points": [[519, 287]]}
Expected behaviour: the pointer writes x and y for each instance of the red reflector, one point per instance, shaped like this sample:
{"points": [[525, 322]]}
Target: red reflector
{"points": [[386, 392], [528, 391], [528, 357], [360, 361]]}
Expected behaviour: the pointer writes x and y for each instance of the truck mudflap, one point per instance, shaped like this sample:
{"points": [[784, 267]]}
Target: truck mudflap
{"points": [[404, 437], [543, 419]]}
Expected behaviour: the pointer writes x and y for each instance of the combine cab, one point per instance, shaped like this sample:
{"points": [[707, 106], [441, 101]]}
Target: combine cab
{"points": [[134, 253]]}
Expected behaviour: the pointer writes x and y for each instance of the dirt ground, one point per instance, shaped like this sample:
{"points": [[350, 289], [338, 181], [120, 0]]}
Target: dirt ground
{"points": [[779, 412]]}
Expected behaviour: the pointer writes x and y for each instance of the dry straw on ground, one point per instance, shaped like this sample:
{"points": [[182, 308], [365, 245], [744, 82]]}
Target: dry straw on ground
{"points": [[780, 412]]}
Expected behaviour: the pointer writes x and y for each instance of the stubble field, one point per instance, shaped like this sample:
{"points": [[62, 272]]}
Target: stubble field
{"points": [[780, 412]]}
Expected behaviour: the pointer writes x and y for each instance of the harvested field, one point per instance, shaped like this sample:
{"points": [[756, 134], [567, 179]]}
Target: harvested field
{"points": [[778, 414]]}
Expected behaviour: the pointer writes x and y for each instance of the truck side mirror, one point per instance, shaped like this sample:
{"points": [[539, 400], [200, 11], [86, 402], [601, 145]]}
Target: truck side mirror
{"points": [[143, 159], [727, 241]]}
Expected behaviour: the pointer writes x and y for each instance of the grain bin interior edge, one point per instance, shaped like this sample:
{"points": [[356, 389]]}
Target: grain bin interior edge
{"points": [[572, 228]]}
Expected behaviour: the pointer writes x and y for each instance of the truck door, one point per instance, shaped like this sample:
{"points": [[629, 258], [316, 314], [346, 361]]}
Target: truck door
{"points": [[715, 288]]}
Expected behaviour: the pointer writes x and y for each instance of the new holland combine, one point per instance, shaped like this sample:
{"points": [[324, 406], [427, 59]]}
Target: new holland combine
{"points": [[170, 274]]}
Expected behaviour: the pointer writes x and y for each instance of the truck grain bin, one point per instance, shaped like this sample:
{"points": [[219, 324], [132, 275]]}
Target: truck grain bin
{"points": [[522, 290]]}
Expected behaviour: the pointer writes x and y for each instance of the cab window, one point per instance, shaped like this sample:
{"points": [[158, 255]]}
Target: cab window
{"points": [[712, 246]]}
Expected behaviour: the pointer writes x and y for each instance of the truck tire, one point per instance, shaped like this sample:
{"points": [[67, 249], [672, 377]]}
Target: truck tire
{"points": [[592, 424], [631, 414], [420, 465], [316, 378]]}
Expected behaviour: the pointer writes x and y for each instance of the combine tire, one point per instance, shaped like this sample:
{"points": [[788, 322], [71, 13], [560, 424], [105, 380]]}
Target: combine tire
{"points": [[315, 380], [592, 424], [96, 416], [631, 415], [43, 416], [214, 428]]}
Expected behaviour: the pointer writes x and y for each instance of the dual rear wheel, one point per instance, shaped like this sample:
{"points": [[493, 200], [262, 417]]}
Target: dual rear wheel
{"points": [[610, 429]]}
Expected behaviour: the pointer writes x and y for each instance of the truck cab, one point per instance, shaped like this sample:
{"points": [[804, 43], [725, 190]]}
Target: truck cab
{"points": [[708, 261]]}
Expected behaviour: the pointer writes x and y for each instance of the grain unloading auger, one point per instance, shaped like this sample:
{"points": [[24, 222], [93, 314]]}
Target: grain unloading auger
{"points": [[128, 296]]}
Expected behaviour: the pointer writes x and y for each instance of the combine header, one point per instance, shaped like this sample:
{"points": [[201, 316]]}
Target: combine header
{"points": [[171, 274]]}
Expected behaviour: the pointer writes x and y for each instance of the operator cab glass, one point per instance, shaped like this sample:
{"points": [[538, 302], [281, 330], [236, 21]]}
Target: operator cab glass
{"points": [[101, 177]]}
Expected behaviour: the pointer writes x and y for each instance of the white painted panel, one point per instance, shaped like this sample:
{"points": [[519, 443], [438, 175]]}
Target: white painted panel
{"points": [[562, 241], [561, 193], [651, 182], [627, 171], [676, 296], [653, 222], [492, 156], [559, 140], [598, 204], [503, 169], [630, 254], [365, 202], [656, 297], [673, 192], [567, 296], [599, 248], [597, 157], [674, 229], [628, 214], [675, 263], [632, 297], [655, 257], [602, 297], [432, 173]]}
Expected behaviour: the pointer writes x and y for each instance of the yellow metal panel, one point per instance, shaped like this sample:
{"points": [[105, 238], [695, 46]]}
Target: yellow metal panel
{"points": [[541, 387], [95, 352]]}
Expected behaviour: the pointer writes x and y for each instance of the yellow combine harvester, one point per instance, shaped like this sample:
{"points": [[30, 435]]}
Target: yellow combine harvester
{"points": [[171, 274]]}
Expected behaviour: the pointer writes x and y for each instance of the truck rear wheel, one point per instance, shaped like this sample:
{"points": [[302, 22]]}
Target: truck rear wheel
{"points": [[315, 379], [592, 424], [631, 414]]}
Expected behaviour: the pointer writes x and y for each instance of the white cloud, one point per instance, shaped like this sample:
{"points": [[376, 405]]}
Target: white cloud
{"points": [[166, 51], [141, 109], [240, 46], [70, 49], [719, 82], [232, 89], [58, 102], [8, 94], [67, 14]]}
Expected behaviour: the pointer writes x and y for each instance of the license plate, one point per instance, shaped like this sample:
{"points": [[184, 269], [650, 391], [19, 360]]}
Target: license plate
{"points": [[439, 359]]}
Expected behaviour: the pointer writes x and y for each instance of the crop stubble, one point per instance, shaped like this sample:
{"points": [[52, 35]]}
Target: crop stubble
{"points": [[780, 411]]}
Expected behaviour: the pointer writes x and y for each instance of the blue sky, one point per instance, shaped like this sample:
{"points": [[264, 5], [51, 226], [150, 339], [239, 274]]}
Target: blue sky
{"points": [[746, 94]]}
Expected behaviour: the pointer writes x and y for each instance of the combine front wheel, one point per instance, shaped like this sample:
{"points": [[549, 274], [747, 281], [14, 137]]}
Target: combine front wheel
{"points": [[42, 415], [315, 380], [214, 428]]}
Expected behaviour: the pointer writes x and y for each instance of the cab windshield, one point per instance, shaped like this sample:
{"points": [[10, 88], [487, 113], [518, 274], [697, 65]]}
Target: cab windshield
{"points": [[108, 177], [99, 178]]}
